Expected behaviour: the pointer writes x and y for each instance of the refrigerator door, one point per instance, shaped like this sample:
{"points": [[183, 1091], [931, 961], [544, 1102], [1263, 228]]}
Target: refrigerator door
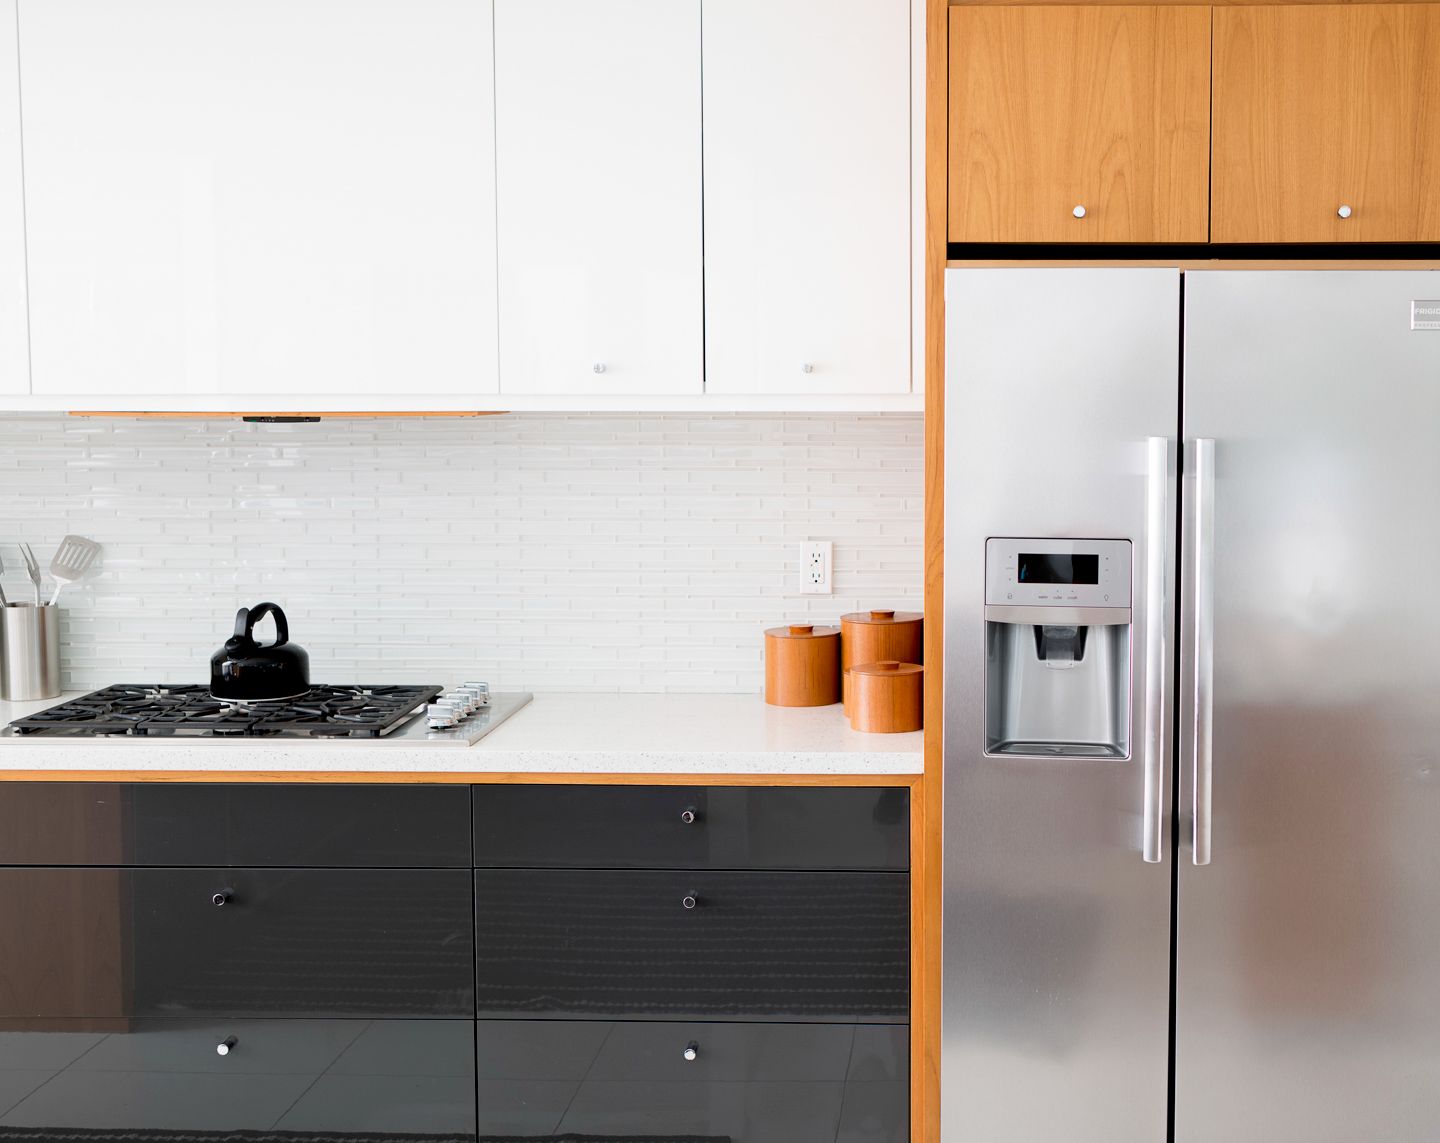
{"points": [[1308, 949], [1062, 395]]}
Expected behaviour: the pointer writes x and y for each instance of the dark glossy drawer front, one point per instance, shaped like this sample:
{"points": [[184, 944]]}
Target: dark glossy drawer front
{"points": [[284, 942], [647, 827], [798, 946], [339, 1076], [243, 824], [748, 1083]]}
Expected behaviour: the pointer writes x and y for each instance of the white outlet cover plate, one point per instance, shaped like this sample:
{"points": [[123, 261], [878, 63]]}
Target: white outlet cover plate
{"points": [[817, 568]]}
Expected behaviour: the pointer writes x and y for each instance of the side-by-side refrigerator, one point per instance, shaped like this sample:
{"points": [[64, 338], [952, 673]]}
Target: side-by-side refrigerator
{"points": [[1192, 712]]}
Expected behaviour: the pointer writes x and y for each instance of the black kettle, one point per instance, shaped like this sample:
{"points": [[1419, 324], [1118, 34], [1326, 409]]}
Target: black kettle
{"points": [[244, 670]]}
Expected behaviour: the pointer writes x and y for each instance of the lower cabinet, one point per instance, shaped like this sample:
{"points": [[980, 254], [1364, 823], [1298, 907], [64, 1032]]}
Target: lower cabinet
{"points": [[683, 1081], [645, 944], [397, 1077], [670, 970], [96, 942]]}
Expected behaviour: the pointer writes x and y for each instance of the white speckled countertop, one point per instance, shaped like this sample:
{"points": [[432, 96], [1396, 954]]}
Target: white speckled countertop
{"points": [[581, 734]]}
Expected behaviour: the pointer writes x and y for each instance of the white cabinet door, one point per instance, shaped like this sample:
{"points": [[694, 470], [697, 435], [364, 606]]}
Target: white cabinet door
{"points": [[807, 196], [260, 196], [14, 351], [598, 148]]}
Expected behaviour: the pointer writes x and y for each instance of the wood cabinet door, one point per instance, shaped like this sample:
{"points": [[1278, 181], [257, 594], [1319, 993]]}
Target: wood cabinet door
{"points": [[807, 196], [598, 150], [14, 337], [271, 198], [1072, 124], [1327, 123]]}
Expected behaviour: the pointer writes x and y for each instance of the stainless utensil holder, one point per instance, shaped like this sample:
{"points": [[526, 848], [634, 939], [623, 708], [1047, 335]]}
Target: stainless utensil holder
{"points": [[29, 652]]}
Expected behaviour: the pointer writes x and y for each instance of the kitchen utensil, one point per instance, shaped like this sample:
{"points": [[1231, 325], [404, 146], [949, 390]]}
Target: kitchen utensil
{"points": [[3, 601], [887, 697], [32, 568], [878, 636], [802, 665], [72, 560], [245, 670], [30, 638]]}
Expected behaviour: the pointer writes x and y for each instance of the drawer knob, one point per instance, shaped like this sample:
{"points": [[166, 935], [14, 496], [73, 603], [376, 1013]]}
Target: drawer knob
{"points": [[599, 367], [807, 368], [692, 1049], [1078, 212], [225, 1046], [1344, 211], [689, 816], [224, 897], [690, 900]]}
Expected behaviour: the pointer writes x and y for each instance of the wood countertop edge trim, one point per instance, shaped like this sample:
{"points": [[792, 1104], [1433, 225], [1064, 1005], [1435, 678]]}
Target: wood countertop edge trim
{"points": [[468, 778], [1218, 263]]}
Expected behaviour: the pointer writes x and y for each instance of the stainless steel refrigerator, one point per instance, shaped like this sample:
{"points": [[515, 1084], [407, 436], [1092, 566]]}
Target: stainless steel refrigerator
{"points": [[1192, 713]]}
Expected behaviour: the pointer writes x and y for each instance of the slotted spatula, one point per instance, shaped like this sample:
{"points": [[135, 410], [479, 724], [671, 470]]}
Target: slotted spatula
{"points": [[72, 560]]}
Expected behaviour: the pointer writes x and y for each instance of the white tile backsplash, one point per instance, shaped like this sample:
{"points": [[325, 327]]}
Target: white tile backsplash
{"points": [[593, 552]]}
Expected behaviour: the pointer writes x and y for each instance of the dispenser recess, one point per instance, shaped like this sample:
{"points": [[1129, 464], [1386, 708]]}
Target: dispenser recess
{"points": [[1057, 647]]}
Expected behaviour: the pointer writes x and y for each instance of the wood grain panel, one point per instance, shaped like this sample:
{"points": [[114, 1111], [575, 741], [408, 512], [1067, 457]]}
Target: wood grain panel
{"points": [[1126, 3], [1315, 107], [1057, 107], [926, 822]]}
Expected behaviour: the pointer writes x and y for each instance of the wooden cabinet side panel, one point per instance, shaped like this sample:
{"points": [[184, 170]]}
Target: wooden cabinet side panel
{"points": [[1101, 107], [1319, 107]]}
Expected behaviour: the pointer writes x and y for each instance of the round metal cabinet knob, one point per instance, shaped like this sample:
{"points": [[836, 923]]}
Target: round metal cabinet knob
{"points": [[807, 368], [692, 1050], [688, 815], [224, 897], [226, 1046], [1344, 211], [599, 367], [1078, 212], [690, 900]]}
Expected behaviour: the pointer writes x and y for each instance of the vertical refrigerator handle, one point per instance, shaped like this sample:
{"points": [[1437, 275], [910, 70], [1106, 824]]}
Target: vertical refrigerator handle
{"points": [[1203, 697], [1157, 515]]}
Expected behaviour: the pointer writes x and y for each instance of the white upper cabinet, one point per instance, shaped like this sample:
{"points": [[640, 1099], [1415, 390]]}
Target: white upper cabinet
{"points": [[259, 197], [600, 230], [807, 196], [14, 351]]}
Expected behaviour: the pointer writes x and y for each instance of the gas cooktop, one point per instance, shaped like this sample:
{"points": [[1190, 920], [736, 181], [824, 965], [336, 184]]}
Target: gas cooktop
{"points": [[323, 712]]}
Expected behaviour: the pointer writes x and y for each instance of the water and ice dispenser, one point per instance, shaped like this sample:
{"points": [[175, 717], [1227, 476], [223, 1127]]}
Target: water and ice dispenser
{"points": [[1057, 647]]}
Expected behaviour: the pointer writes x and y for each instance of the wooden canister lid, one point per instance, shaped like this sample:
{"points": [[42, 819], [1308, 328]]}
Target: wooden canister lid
{"points": [[802, 631], [887, 697], [889, 668], [802, 665], [881, 615]]}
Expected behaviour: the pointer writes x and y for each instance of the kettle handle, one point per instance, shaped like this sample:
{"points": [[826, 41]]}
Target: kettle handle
{"points": [[247, 617]]}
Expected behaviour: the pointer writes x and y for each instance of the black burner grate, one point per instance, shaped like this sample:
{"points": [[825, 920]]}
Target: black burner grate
{"points": [[322, 712]]}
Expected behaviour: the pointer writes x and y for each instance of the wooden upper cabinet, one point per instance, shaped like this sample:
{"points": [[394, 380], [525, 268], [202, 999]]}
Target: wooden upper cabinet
{"points": [[1327, 123], [1079, 124]]}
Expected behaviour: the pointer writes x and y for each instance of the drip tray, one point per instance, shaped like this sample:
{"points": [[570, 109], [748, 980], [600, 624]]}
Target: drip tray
{"points": [[1058, 749]]}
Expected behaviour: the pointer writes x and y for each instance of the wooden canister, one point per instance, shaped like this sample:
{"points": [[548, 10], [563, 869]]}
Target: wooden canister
{"points": [[887, 698], [878, 636], [802, 665]]}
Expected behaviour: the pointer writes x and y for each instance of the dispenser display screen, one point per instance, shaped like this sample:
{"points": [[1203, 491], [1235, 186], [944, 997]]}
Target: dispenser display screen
{"points": [[1051, 567]]}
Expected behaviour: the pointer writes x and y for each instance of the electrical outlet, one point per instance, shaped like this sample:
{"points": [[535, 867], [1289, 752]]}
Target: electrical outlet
{"points": [[817, 568]]}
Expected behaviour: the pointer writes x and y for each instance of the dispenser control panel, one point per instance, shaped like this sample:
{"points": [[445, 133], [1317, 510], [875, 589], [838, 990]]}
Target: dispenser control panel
{"points": [[1034, 572]]}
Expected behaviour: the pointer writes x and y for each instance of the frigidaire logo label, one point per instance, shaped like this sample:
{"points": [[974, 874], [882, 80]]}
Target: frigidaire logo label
{"points": [[1425, 314]]}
